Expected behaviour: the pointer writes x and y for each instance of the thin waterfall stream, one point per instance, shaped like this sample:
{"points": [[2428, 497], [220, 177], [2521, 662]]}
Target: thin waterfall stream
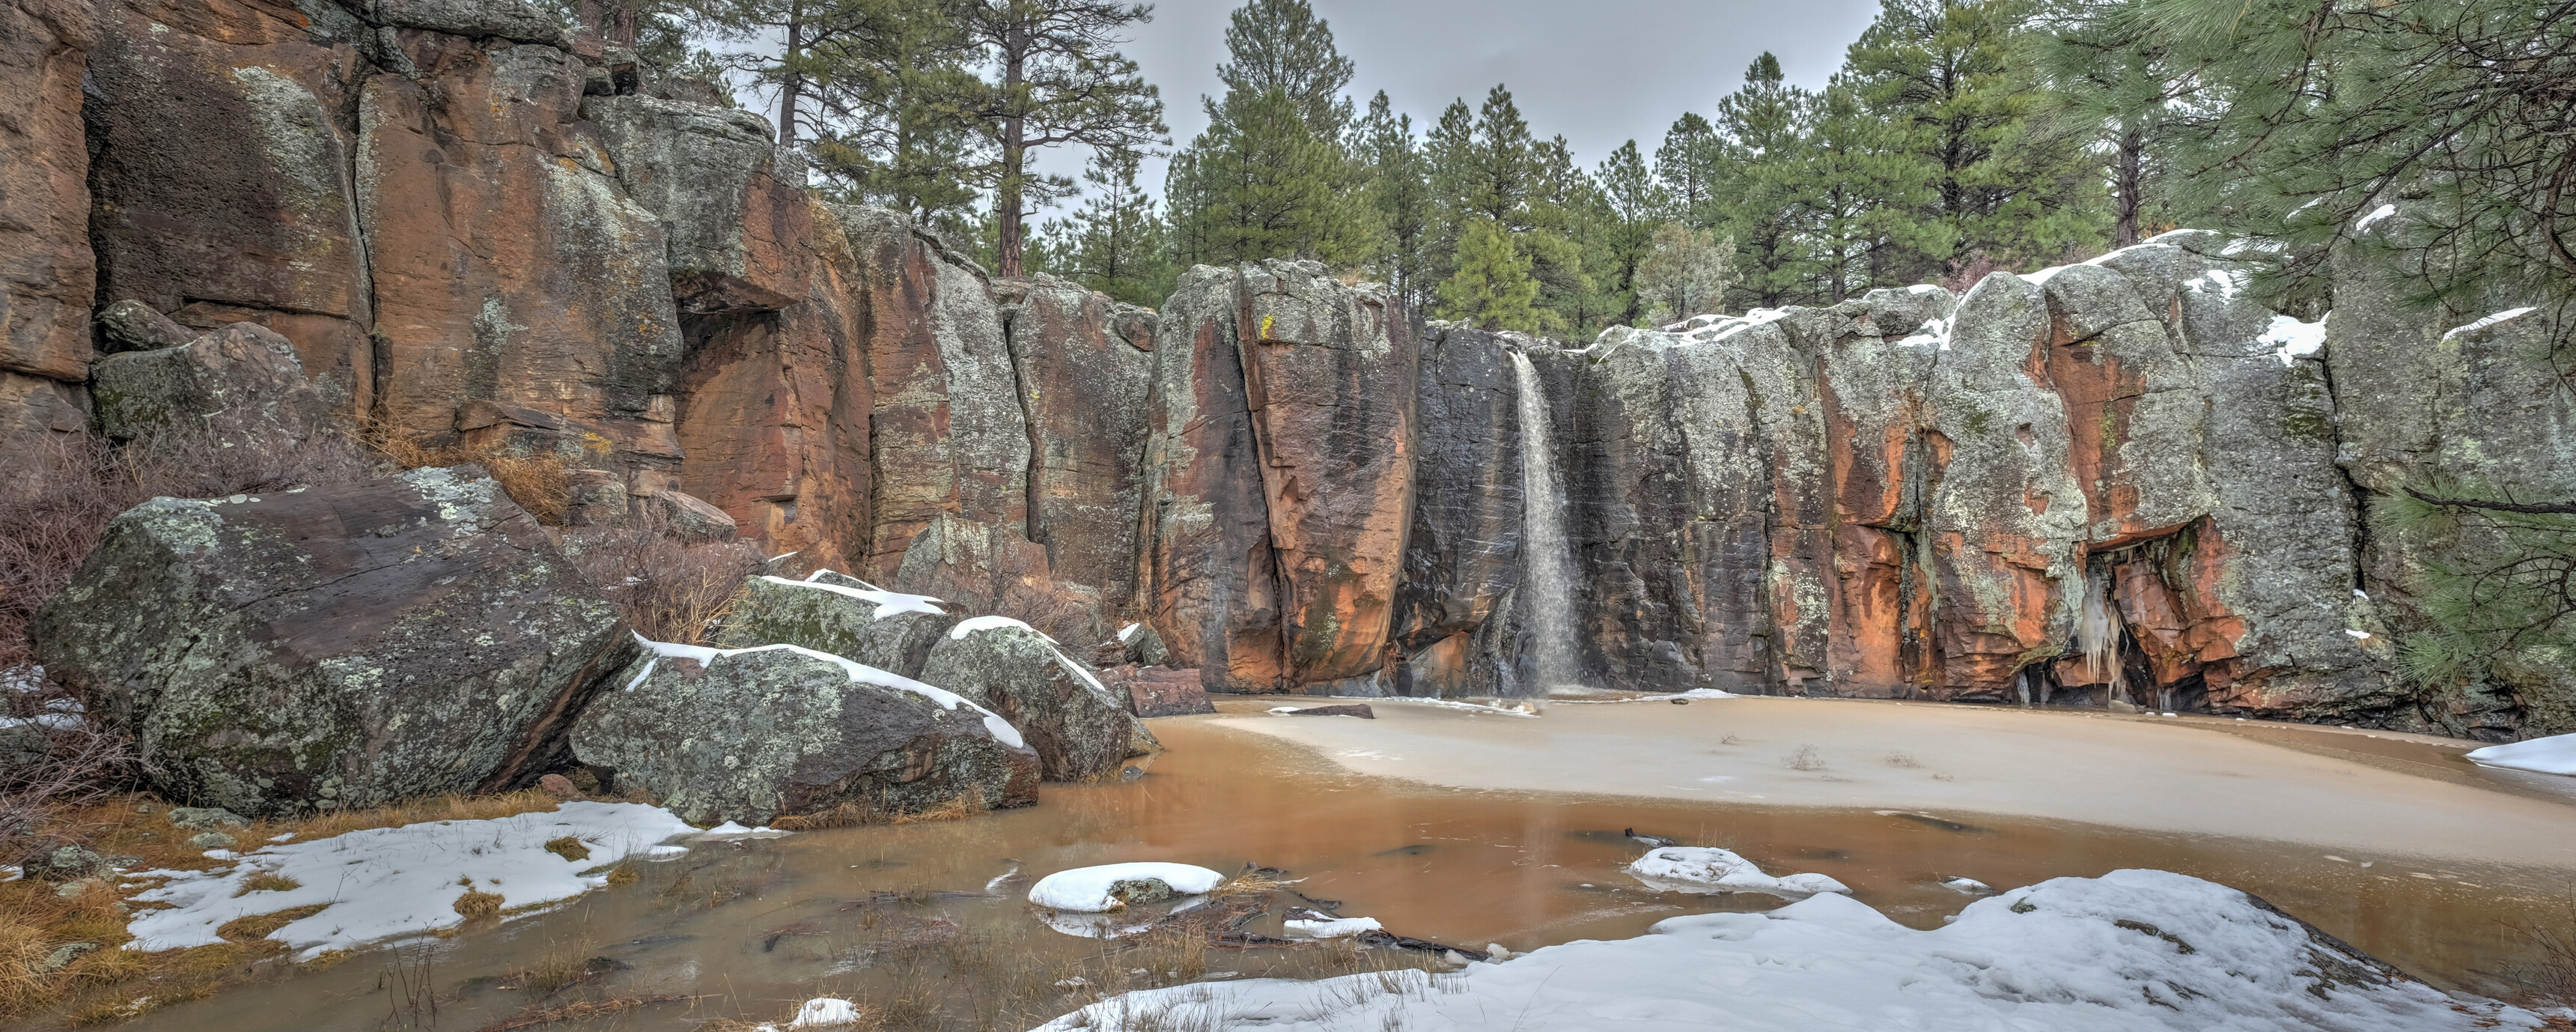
{"points": [[1547, 564]]}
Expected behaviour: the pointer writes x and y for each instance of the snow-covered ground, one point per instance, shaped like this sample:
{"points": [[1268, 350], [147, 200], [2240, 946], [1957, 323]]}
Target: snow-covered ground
{"points": [[386, 882], [2555, 754], [2131, 951]]}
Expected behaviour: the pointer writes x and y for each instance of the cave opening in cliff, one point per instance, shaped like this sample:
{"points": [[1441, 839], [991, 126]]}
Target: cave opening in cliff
{"points": [[2130, 630]]}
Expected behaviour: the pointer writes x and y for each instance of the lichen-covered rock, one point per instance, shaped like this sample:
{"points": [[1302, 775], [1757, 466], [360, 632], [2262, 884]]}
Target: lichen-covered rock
{"points": [[240, 386], [1078, 726], [756, 734], [1141, 646], [508, 264], [39, 414], [340, 646], [689, 518], [838, 614], [131, 325], [1084, 362], [206, 818], [946, 433], [735, 216], [63, 863]]}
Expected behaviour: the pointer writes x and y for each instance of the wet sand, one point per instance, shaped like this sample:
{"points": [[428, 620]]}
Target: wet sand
{"points": [[2358, 794]]}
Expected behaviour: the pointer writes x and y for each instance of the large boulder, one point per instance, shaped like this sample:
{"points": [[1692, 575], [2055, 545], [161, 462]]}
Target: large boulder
{"points": [[838, 614], [736, 216], [240, 386], [340, 646], [751, 735], [1079, 727]]}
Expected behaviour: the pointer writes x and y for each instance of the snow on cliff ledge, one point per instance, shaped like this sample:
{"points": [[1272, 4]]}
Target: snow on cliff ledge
{"points": [[2136, 950]]}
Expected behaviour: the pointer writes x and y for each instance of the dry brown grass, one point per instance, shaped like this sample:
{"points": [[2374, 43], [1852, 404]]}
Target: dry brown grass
{"points": [[851, 815], [267, 881], [476, 904], [541, 484], [569, 848], [260, 926], [586, 1010]]}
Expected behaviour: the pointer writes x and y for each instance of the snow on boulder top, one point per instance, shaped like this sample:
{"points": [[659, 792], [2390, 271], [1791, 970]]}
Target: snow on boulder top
{"points": [[2131, 951], [707, 656], [986, 623], [385, 882], [888, 603], [1087, 889], [2555, 754], [1128, 631], [1705, 869]]}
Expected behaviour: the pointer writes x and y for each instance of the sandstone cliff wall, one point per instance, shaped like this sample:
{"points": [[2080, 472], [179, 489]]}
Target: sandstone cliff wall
{"points": [[2121, 479]]}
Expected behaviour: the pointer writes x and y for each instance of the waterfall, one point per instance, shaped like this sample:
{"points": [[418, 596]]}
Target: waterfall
{"points": [[1547, 565]]}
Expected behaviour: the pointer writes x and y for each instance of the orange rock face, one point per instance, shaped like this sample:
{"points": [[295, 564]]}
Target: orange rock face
{"points": [[508, 266], [1083, 362], [45, 266], [221, 165]]}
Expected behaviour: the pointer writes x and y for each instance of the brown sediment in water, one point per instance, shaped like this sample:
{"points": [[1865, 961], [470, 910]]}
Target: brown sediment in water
{"points": [[754, 927]]}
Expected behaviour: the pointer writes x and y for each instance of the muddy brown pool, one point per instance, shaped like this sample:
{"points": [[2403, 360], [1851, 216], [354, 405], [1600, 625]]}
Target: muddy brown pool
{"points": [[909, 918]]}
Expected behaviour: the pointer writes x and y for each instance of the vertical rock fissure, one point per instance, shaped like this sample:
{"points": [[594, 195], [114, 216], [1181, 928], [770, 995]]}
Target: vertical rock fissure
{"points": [[1546, 566]]}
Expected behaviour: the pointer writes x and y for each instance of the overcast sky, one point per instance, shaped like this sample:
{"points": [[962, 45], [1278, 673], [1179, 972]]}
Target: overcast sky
{"points": [[1595, 71]]}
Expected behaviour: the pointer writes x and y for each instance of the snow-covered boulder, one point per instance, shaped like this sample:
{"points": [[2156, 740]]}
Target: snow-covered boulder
{"points": [[754, 734], [1079, 727], [1106, 887], [347, 645], [2131, 951], [839, 614], [1703, 869]]}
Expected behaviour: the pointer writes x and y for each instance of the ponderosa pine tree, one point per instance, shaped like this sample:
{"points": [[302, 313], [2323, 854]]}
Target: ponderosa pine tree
{"points": [[2105, 63], [1400, 195], [1281, 45], [1856, 199], [1634, 204], [1755, 203], [887, 128], [1493, 288], [1115, 243], [1691, 162], [2005, 183], [1258, 183], [1056, 77]]}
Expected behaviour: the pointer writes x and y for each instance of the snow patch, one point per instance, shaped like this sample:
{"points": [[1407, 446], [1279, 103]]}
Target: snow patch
{"points": [[386, 882], [1086, 889], [1337, 928], [1706, 869], [1128, 632], [2555, 754], [859, 672], [2511, 313], [1469, 707], [1695, 693], [2131, 951], [1934, 333], [986, 623], [2376, 214], [2291, 338]]}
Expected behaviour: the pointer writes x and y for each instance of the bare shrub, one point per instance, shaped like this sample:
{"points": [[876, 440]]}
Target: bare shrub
{"points": [[2549, 980], [666, 588], [1803, 757], [1898, 759], [55, 504], [52, 763]]}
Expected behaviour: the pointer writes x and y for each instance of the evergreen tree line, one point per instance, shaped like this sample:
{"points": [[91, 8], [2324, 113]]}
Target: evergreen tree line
{"points": [[1957, 137]]}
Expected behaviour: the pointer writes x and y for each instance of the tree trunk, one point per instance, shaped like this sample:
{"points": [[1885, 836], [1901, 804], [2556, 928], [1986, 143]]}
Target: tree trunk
{"points": [[1015, 152], [2128, 175], [790, 86]]}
